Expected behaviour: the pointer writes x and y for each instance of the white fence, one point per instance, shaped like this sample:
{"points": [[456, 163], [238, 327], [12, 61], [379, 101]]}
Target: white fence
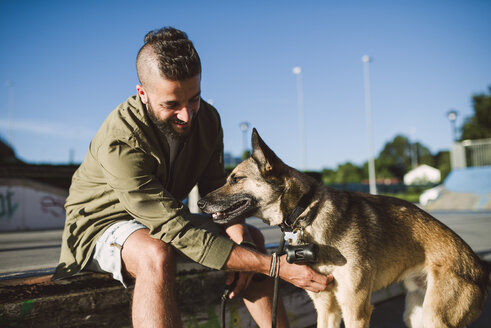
{"points": [[471, 153]]}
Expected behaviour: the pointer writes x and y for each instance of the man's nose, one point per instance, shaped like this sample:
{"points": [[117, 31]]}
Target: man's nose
{"points": [[185, 114]]}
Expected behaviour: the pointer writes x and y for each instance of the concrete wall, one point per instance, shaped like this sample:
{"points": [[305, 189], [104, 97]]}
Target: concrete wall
{"points": [[28, 205]]}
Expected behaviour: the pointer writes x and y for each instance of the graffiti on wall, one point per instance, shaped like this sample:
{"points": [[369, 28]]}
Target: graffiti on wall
{"points": [[7, 205], [23, 207], [53, 206]]}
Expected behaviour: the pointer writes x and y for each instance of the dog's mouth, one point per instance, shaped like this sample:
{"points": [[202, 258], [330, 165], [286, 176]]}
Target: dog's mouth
{"points": [[236, 211]]}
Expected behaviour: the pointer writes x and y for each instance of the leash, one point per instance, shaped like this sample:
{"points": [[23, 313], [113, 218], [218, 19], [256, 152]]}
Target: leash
{"points": [[305, 253], [276, 272], [225, 295]]}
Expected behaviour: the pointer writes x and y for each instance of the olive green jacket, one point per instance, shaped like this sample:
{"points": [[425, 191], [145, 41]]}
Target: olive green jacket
{"points": [[126, 175]]}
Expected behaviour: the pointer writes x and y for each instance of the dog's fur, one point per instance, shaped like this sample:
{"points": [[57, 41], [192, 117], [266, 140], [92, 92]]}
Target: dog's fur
{"points": [[367, 242]]}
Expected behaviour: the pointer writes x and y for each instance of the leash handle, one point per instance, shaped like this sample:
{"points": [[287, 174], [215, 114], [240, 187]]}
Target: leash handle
{"points": [[231, 287], [225, 295]]}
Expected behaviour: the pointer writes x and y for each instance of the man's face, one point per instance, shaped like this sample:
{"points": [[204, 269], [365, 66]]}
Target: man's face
{"points": [[172, 105]]}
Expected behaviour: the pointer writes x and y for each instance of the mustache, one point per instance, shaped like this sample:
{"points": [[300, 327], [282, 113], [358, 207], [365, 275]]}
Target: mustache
{"points": [[178, 121]]}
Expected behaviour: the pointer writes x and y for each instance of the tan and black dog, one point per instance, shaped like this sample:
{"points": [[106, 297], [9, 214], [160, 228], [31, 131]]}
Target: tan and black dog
{"points": [[367, 242]]}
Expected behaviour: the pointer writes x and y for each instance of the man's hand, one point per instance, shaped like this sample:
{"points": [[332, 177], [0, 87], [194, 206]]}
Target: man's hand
{"points": [[243, 281], [304, 277], [238, 232]]}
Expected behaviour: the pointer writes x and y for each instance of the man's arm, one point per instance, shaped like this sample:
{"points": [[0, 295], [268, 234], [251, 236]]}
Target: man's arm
{"points": [[129, 171], [242, 259]]}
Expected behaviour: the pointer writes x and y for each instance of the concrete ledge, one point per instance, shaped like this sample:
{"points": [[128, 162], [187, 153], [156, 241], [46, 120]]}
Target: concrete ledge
{"points": [[96, 300]]}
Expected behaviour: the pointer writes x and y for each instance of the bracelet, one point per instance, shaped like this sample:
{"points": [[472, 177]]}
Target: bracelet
{"points": [[274, 270]]}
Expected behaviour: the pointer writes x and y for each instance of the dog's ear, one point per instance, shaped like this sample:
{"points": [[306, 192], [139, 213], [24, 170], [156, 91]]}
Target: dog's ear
{"points": [[267, 160]]}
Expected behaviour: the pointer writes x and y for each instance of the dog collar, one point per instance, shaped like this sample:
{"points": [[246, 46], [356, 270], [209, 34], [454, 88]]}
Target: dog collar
{"points": [[303, 203]]}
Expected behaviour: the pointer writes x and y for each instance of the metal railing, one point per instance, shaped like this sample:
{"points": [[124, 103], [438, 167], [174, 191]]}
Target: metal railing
{"points": [[471, 153]]}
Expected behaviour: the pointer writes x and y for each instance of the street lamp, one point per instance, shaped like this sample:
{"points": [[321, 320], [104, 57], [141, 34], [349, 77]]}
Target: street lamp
{"points": [[297, 70], [371, 164], [10, 86], [244, 127], [452, 117]]}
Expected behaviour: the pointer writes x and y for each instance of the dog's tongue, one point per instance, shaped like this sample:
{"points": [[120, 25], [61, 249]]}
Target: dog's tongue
{"points": [[218, 215]]}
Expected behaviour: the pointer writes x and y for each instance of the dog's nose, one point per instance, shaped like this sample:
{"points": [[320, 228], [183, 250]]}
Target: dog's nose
{"points": [[201, 204]]}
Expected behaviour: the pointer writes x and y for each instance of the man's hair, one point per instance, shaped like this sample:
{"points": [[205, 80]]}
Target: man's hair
{"points": [[172, 52]]}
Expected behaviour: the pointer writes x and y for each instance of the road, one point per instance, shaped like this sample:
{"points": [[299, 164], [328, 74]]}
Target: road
{"points": [[27, 251]]}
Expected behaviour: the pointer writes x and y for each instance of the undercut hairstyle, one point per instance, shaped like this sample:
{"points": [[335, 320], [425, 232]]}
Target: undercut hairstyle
{"points": [[169, 50]]}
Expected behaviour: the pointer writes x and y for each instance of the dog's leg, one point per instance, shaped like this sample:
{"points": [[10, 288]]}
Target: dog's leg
{"points": [[413, 314], [355, 305], [328, 310], [450, 300]]}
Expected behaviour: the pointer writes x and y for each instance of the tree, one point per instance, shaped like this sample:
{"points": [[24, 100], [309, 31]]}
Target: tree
{"points": [[345, 173], [246, 154], [394, 161], [7, 153], [478, 126], [442, 162], [328, 176], [348, 173], [423, 155], [396, 158]]}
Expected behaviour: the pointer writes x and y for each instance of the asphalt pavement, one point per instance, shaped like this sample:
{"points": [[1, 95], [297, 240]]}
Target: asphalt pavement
{"points": [[37, 252], [22, 252]]}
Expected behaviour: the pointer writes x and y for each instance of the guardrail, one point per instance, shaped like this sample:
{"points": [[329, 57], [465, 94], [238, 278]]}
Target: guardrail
{"points": [[469, 153]]}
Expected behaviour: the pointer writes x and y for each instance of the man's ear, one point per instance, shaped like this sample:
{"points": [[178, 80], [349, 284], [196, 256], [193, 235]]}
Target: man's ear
{"points": [[267, 160], [142, 93]]}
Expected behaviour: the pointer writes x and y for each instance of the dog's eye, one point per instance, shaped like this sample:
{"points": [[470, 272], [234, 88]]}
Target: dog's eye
{"points": [[235, 179]]}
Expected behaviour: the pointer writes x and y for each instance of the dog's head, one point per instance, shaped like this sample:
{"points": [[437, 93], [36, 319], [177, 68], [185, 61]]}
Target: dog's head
{"points": [[254, 188]]}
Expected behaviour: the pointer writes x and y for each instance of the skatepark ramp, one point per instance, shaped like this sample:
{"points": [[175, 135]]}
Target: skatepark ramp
{"points": [[465, 189]]}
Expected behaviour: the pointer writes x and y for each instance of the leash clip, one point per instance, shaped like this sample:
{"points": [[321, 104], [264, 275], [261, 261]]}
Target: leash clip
{"points": [[294, 237]]}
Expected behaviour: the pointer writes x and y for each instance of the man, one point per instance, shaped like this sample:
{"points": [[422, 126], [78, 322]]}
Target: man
{"points": [[124, 210]]}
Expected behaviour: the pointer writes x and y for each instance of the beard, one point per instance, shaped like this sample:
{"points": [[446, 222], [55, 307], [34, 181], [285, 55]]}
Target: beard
{"points": [[165, 127]]}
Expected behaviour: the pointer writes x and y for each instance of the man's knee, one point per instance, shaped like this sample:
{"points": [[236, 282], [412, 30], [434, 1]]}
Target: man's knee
{"points": [[158, 254], [143, 254]]}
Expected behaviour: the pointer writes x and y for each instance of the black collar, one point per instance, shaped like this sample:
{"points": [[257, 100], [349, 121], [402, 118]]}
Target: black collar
{"points": [[304, 202]]}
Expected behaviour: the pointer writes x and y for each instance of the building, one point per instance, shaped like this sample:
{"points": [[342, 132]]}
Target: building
{"points": [[423, 174]]}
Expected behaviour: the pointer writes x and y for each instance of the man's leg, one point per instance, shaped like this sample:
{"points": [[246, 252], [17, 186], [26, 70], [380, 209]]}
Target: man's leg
{"points": [[258, 298], [153, 265]]}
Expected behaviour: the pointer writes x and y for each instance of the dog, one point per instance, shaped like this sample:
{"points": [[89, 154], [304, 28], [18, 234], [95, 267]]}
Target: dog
{"points": [[367, 242]]}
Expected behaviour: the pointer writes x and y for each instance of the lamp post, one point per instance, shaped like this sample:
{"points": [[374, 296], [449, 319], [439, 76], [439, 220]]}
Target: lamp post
{"points": [[452, 117], [10, 86], [371, 163], [297, 70], [244, 127]]}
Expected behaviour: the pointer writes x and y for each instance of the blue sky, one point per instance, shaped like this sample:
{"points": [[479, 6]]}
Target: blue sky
{"points": [[72, 62]]}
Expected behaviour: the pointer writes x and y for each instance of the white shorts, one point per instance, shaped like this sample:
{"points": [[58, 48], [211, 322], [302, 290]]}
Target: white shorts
{"points": [[107, 252], [106, 256]]}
